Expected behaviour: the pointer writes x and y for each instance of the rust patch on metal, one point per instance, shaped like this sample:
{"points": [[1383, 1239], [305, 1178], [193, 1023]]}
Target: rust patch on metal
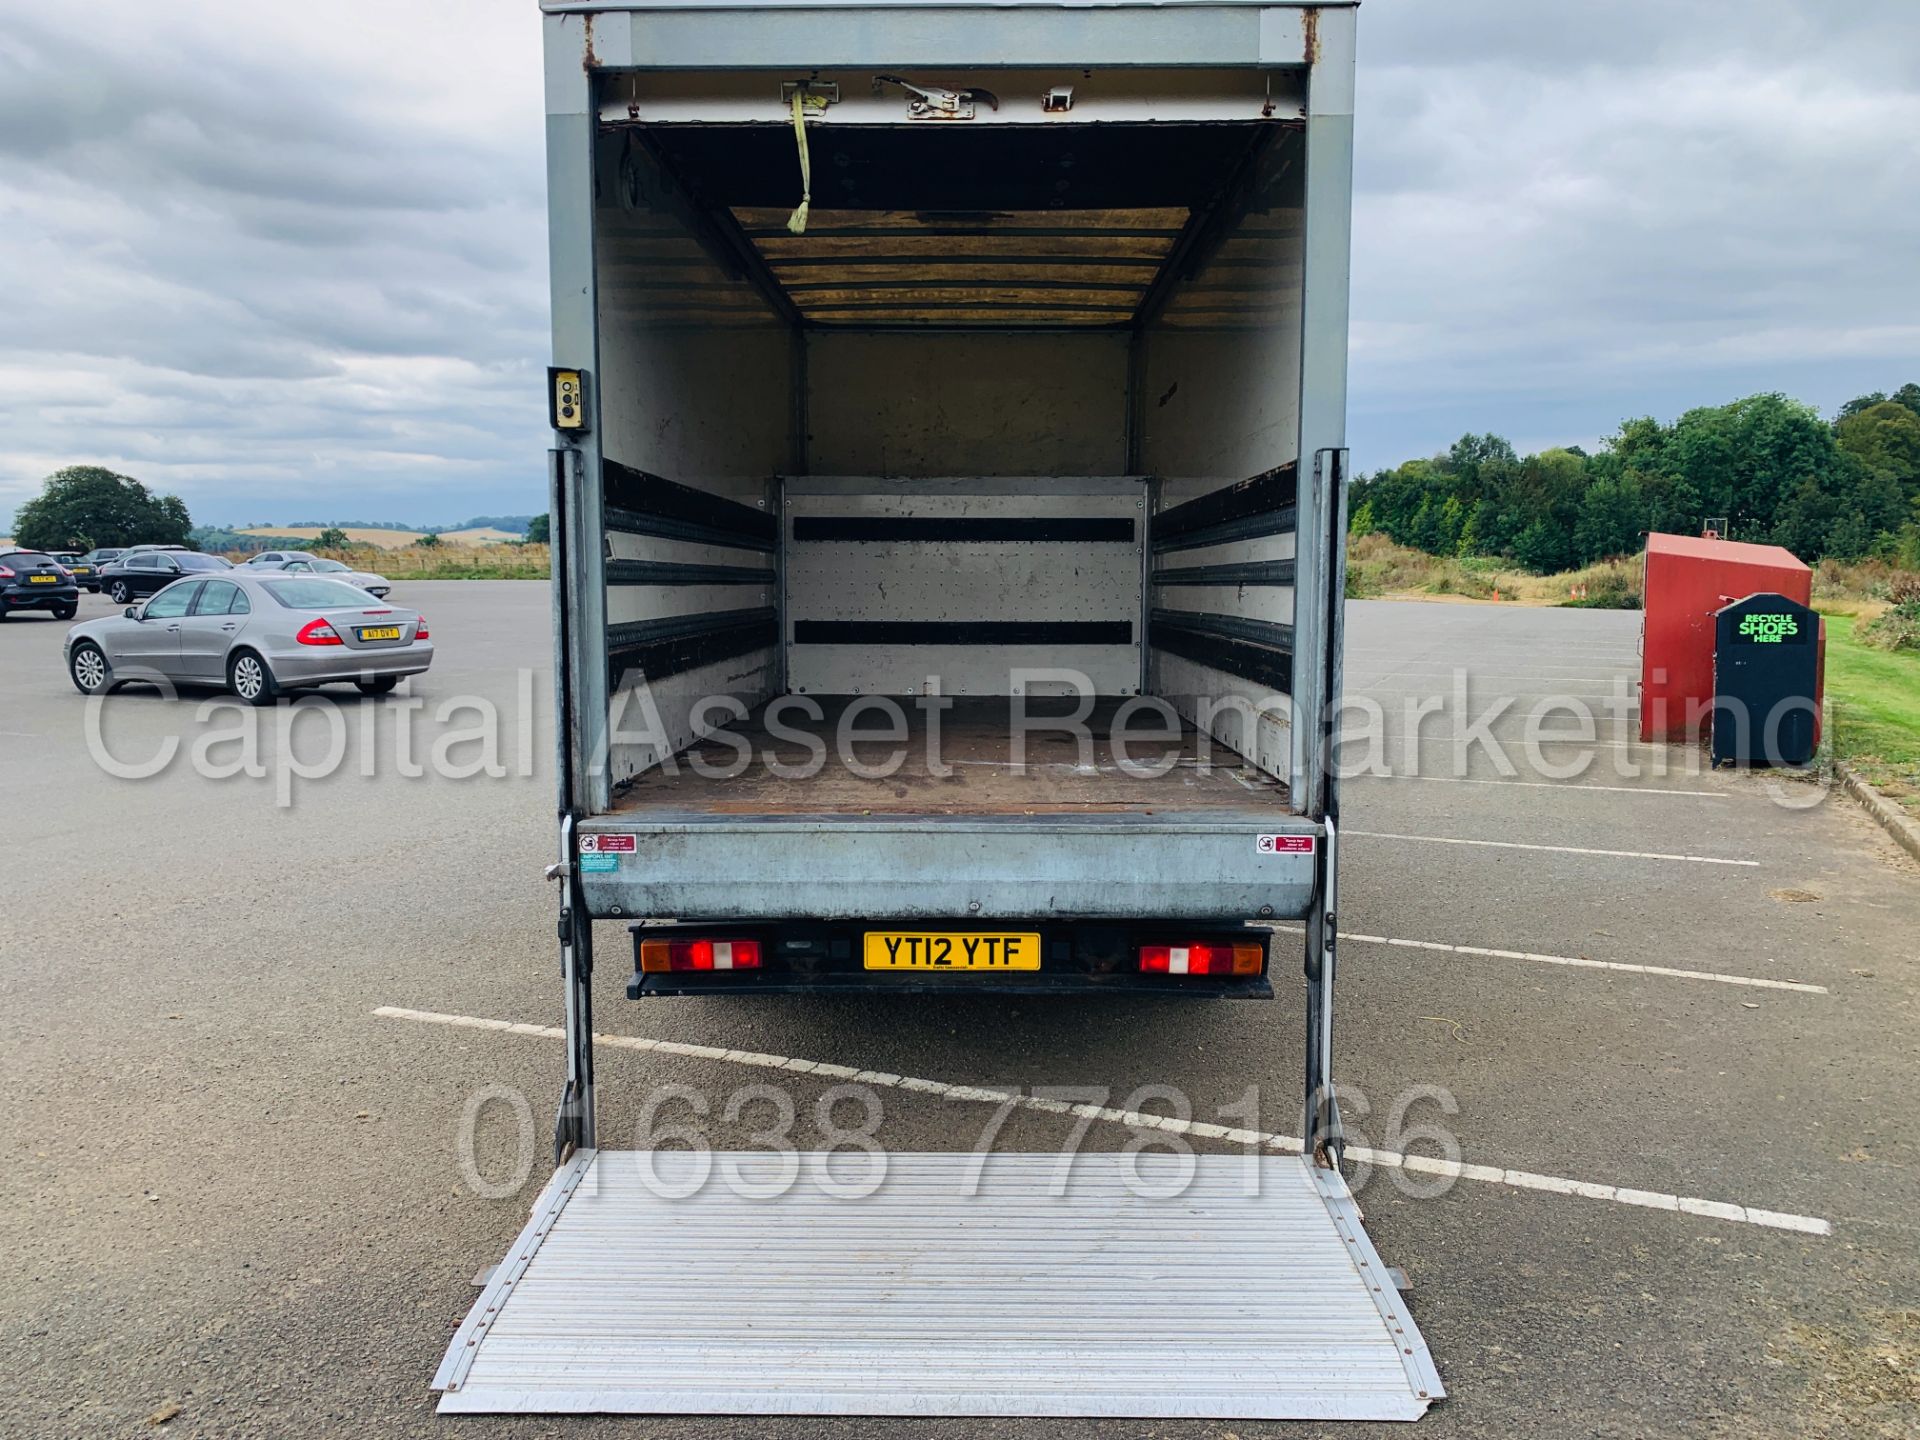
{"points": [[589, 61], [1310, 19]]}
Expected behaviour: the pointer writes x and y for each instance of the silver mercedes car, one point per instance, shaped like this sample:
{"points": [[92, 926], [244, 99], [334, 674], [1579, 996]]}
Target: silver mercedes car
{"points": [[260, 635], [296, 563]]}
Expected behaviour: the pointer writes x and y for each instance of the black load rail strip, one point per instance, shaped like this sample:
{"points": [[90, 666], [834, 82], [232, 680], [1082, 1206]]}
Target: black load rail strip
{"points": [[1245, 572], [1264, 505], [1039, 529], [638, 503], [660, 648], [963, 632], [666, 572], [1256, 650]]}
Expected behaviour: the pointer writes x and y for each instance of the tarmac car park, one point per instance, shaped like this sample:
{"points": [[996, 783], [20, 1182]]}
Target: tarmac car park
{"points": [[1660, 1000]]}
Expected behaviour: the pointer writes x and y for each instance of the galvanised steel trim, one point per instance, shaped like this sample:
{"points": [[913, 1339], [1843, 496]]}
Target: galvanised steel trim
{"points": [[552, 1200], [1415, 1358]]}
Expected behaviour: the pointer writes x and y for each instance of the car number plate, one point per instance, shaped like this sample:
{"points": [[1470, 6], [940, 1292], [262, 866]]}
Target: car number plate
{"points": [[42, 579], [380, 632], [951, 950]]}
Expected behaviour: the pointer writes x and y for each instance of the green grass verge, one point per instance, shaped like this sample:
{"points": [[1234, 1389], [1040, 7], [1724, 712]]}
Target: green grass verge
{"points": [[1875, 700]]}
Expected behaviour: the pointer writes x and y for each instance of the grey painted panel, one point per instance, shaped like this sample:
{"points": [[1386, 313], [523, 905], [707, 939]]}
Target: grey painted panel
{"points": [[962, 670], [1252, 602], [1220, 389], [962, 581], [647, 722], [967, 404], [627, 603], [1011, 867], [1253, 722], [1261, 547], [902, 37]]}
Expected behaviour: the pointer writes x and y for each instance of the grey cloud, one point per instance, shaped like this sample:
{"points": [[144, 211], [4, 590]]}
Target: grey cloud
{"points": [[1569, 214], [259, 255]]}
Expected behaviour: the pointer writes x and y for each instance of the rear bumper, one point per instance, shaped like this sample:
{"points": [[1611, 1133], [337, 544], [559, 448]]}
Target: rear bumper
{"points": [[319, 665], [40, 597], [1076, 958]]}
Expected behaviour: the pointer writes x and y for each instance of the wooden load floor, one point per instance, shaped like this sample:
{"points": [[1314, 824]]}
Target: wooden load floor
{"points": [[976, 745]]}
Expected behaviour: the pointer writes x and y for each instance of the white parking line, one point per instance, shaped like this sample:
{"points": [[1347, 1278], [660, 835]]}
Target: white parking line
{"points": [[1447, 737], [1556, 849], [1140, 1120], [1541, 785], [1578, 961], [1434, 683]]}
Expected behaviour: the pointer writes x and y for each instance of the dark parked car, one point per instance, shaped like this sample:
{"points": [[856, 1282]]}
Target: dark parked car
{"points": [[93, 560], [141, 572], [84, 571], [34, 580]]}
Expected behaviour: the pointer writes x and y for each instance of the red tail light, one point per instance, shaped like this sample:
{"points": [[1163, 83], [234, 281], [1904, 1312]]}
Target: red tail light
{"points": [[318, 632], [1208, 959], [420, 629], [657, 956], [5, 573]]}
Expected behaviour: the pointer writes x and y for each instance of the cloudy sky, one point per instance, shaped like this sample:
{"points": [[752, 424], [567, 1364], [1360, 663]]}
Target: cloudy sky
{"points": [[287, 260]]}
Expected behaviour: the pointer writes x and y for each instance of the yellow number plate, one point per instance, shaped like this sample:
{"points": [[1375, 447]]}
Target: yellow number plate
{"points": [[41, 579], [949, 950], [380, 632]]}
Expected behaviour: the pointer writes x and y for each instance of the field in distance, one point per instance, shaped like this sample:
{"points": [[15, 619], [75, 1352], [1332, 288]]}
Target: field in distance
{"points": [[386, 539]]}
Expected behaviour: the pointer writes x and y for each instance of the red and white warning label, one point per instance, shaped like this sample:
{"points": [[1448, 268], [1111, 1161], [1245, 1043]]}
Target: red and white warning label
{"points": [[1285, 844], [625, 844]]}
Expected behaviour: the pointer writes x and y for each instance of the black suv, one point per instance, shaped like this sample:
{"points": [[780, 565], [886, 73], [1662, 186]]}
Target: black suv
{"points": [[34, 580], [141, 572]]}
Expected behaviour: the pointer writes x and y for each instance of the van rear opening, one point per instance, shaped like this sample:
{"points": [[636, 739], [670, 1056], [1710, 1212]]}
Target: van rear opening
{"points": [[947, 530]]}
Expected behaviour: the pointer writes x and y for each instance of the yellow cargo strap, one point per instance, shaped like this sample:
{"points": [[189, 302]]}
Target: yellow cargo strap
{"points": [[797, 222]]}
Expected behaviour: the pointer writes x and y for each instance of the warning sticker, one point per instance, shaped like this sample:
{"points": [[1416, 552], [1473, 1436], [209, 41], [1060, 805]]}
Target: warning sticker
{"points": [[1285, 844], [626, 844]]}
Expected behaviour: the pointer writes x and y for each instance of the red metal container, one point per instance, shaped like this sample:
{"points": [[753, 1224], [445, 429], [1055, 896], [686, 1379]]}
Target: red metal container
{"points": [[1687, 579]]}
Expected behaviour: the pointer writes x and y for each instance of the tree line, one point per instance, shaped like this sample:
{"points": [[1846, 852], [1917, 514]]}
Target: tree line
{"points": [[1773, 468]]}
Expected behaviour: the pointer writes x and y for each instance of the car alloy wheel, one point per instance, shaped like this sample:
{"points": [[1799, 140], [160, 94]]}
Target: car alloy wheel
{"points": [[121, 594], [249, 678], [89, 669]]}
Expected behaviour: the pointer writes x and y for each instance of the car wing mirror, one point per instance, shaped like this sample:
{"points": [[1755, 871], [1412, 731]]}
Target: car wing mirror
{"points": [[132, 612]]}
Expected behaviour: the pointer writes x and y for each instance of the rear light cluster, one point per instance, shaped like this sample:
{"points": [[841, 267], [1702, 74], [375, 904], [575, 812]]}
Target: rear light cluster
{"points": [[318, 632], [5, 573], [1212, 959], [420, 629], [660, 956]]}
